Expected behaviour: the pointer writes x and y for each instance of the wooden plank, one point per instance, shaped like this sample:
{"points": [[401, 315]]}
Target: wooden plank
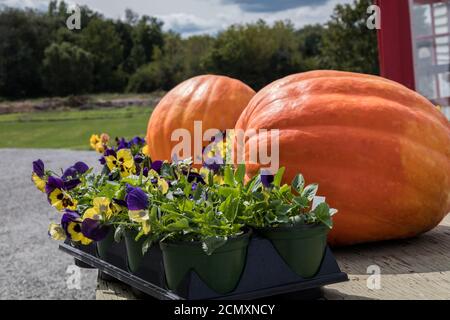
{"points": [[110, 290], [417, 268]]}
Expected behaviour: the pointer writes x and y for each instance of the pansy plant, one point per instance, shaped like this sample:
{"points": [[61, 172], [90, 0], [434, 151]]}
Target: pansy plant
{"points": [[164, 201]]}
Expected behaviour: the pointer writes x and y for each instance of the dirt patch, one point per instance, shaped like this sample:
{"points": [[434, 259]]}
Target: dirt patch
{"points": [[76, 102]]}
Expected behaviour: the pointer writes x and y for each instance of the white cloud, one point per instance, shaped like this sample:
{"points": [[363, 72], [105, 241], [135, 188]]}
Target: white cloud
{"points": [[188, 24], [35, 4]]}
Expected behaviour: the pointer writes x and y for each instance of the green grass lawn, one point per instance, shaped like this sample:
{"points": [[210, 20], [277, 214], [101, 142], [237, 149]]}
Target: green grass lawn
{"points": [[70, 129]]}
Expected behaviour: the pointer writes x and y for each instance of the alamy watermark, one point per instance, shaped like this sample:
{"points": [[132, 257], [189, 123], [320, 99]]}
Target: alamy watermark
{"points": [[374, 280], [73, 281], [74, 20], [374, 20]]}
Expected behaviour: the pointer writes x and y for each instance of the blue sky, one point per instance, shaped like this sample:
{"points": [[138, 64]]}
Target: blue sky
{"points": [[190, 17]]}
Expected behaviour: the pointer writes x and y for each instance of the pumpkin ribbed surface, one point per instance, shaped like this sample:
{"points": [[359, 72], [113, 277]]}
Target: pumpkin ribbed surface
{"points": [[380, 152]]}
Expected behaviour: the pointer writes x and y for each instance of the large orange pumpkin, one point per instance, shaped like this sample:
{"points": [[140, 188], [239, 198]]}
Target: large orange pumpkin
{"points": [[380, 152], [217, 101]]}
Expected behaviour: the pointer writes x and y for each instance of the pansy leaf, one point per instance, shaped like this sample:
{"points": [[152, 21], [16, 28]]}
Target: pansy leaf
{"points": [[278, 177], [322, 213], [228, 176], [310, 191], [240, 174], [298, 183], [179, 225], [256, 184], [303, 202], [227, 191]]}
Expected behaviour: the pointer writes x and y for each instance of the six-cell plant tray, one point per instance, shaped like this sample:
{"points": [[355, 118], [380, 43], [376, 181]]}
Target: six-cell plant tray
{"points": [[265, 273]]}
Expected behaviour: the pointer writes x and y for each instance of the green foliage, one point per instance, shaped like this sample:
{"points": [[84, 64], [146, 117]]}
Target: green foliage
{"points": [[173, 202], [256, 53], [22, 44], [147, 78], [67, 69], [310, 39], [100, 38], [348, 44], [211, 213]]}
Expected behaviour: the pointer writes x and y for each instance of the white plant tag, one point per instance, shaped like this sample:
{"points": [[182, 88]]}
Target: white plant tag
{"points": [[316, 201]]}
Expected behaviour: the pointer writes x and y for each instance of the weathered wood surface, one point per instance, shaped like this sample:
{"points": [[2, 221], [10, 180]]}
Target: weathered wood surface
{"points": [[109, 290], [417, 268]]}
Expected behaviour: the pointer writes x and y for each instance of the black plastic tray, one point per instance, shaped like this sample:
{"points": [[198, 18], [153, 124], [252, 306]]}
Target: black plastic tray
{"points": [[265, 273]]}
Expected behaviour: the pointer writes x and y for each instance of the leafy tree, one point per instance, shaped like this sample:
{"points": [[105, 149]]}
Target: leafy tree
{"points": [[347, 43], [148, 34], [147, 78], [310, 39], [103, 42], [21, 51], [196, 51], [67, 69], [165, 71], [256, 53]]}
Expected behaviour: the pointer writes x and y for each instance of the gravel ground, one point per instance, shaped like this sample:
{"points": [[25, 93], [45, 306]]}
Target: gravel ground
{"points": [[31, 266]]}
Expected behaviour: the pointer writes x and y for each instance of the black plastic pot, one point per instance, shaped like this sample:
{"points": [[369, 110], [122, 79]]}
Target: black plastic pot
{"points": [[301, 247], [220, 271], [103, 246], [111, 251], [134, 250]]}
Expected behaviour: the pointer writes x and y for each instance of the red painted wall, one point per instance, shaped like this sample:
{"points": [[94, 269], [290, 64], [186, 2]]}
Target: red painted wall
{"points": [[394, 42]]}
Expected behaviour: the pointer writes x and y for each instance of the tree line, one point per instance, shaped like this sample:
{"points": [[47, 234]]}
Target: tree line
{"points": [[40, 56]]}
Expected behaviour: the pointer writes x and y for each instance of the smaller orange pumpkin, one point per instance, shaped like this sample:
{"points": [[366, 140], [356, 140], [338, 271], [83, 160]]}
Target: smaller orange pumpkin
{"points": [[216, 101]]}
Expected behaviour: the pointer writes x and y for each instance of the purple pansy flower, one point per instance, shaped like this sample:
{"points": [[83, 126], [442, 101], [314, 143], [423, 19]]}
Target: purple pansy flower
{"points": [[120, 202], [122, 144], [138, 158], [266, 179], [195, 177], [75, 170], [214, 163], [137, 140], [68, 217], [157, 165], [136, 199], [58, 183], [145, 172], [38, 168], [94, 229]]}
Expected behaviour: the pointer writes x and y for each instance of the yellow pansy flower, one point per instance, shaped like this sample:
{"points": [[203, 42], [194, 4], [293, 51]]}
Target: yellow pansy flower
{"points": [[74, 230], [38, 181], [94, 140], [100, 147], [216, 178], [102, 209], [56, 232], [123, 161], [62, 200], [163, 186], [145, 150]]}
